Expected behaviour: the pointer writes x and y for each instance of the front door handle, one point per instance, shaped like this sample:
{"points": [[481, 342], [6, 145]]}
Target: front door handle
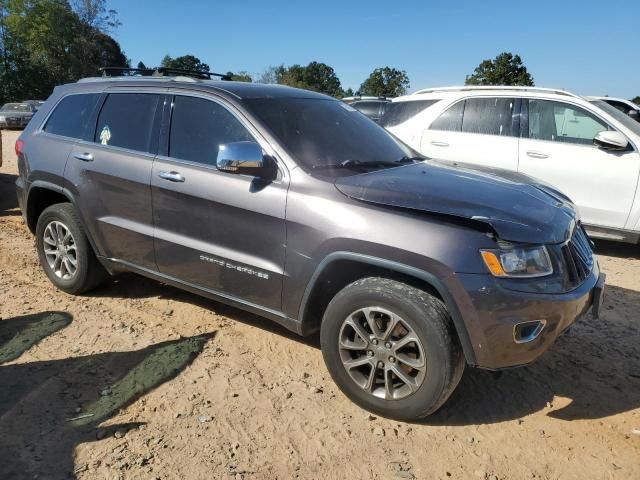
{"points": [[439, 144], [171, 176], [533, 154], [85, 157]]}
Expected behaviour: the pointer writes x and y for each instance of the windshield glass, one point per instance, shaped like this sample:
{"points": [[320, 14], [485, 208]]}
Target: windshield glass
{"points": [[16, 107], [323, 134], [623, 118]]}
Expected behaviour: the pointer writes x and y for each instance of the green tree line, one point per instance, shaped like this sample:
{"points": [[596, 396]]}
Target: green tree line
{"points": [[44, 43]]}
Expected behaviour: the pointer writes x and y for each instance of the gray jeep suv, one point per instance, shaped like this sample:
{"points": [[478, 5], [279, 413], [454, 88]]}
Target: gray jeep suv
{"points": [[295, 206]]}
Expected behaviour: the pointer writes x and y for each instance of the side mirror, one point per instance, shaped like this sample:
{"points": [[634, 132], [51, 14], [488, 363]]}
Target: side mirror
{"points": [[244, 158], [635, 114], [609, 140]]}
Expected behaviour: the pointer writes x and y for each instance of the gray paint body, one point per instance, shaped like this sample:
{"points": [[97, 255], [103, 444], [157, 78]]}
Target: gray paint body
{"points": [[263, 245]]}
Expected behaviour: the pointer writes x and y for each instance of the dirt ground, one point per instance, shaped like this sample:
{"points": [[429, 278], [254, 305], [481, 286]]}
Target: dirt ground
{"points": [[178, 386]]}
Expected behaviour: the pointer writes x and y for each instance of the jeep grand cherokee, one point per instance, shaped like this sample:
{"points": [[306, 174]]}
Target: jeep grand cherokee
{"points": [[295, 206]]}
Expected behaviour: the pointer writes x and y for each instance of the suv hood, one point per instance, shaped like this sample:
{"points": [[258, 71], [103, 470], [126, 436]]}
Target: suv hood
{"points": [[514, 205]]}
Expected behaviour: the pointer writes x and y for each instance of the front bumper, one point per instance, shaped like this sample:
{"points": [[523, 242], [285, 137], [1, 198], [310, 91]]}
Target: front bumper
{"points": [[491, 312], [14, 123]]}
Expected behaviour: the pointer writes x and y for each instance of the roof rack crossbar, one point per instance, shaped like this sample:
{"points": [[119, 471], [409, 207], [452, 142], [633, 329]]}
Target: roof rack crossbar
{"points": [[496, 87], [160, 72]]}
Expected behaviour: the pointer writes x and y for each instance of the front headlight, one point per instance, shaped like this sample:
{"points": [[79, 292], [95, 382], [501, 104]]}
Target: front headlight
{"points": [[518, 262], [2, 118]]}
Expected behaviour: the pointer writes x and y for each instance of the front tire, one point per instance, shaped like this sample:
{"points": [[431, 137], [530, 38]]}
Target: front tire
{"points": [[64, 251], [391, 348]]}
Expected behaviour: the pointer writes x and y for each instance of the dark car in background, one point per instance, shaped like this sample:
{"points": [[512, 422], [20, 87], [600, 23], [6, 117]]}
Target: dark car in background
{"points": [[36, 103], [372, 107], [16, 115], [292, 205]]}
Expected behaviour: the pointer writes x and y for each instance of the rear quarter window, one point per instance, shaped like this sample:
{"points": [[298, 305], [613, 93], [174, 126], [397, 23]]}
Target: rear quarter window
{"points": [[399, 112], [71, 116]]}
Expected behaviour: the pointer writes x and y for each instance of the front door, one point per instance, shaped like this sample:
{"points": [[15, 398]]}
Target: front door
{"points": [[221, 231], [110, 173], [557, 147]]}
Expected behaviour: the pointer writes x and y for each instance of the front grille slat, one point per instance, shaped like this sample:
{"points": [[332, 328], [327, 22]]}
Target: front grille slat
{"points": [[578, 256]]}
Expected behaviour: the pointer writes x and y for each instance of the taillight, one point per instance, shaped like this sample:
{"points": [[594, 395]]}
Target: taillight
{"points": [[19, 145]]}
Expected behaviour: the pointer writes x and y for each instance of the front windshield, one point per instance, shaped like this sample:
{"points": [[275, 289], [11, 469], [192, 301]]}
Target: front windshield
{"points": [[623, 118], [16, 107], [329, 136]]}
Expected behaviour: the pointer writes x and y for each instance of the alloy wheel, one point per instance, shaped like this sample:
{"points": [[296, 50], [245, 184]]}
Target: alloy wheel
{"points": [[60, 250], [382, 353]]}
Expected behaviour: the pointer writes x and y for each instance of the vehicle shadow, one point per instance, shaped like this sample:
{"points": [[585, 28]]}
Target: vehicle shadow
{"points": [[49, 407], [131, 285], [594, 368], [8, 199], [617, 249]]}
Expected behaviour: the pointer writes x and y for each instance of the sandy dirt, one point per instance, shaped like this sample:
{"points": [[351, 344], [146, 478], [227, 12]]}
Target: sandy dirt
{"points": [[163, 384]]}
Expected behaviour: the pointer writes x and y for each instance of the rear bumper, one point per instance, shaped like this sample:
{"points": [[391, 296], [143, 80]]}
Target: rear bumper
{"points": [[491, 312]]}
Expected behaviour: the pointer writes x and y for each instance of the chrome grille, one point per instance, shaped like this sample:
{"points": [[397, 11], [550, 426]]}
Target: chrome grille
{"points": [[578, 256]]}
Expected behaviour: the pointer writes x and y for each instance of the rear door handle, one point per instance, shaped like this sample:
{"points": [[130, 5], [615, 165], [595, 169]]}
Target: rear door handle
{"points": [[533, 154], [85, 157], [439, 144], [171, 176]]}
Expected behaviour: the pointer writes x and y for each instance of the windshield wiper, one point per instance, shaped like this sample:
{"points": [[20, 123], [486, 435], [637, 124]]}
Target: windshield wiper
{"points": [[408, 159], [350, 164]]}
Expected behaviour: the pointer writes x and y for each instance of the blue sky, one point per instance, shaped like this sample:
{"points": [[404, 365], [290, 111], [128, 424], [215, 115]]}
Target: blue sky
{"points": [[586, 46]]}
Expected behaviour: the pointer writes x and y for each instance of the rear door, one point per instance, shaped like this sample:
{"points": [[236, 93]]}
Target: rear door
{"points": [[110, 174], [224, 232], [557, 147], [480, 131]]}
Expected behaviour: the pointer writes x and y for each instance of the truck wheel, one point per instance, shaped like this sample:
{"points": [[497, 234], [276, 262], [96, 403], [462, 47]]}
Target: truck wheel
{"points": [[391, 348], [64, 251]]}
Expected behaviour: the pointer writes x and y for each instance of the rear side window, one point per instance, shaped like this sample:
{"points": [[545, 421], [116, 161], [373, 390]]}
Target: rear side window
{"points": [[71, 116], [126, 120], [199, 127], [450, 120], [488, 116], [396, 113]]}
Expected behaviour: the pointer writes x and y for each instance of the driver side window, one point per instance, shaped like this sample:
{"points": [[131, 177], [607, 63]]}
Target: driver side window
{"points": [[198, 128], [562, 122]]}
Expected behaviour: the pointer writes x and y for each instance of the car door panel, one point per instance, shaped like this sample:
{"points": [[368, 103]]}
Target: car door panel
{"points": [[221, 231], [478, 135], [112, 184]]}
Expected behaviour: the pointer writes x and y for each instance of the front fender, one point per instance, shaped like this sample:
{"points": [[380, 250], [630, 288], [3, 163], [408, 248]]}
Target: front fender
{"points": [[441, 281]]}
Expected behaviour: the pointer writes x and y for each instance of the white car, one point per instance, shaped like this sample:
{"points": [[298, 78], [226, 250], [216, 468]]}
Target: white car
{"points": [[625, 106], [583, 147]]}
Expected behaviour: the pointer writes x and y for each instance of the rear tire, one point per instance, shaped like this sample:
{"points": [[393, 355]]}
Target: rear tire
{"points": [[411, 359], [64, 251]]}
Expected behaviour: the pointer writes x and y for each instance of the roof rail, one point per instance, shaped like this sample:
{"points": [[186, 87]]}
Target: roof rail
{"points": [[160, 72], [467, 88]]}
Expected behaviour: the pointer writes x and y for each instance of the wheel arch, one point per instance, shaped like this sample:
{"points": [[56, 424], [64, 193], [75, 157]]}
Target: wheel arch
{"points": [[330, 277], [44, 194]]}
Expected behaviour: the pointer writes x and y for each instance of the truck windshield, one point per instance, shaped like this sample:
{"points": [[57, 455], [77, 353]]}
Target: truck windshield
{"points": [[323, 134]]}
